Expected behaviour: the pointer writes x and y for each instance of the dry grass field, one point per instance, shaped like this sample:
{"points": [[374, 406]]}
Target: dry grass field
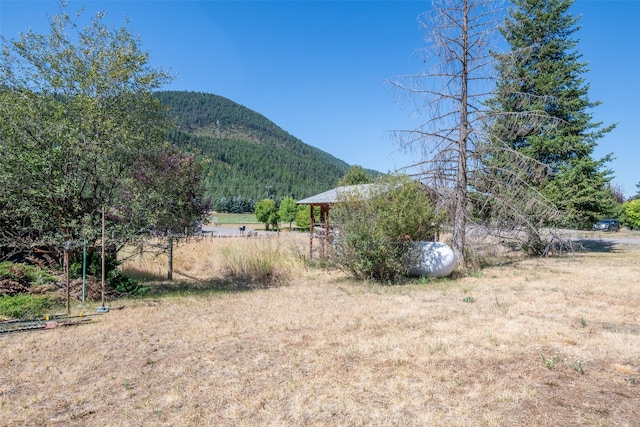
{"points": [[535, 342]]}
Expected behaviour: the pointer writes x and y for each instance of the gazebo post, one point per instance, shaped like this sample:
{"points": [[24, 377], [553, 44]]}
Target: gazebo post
{"points": [[326, 231], [311, 221]]}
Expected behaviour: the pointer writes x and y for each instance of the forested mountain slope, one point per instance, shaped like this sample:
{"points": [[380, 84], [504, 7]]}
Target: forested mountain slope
{"points": [[250, 157]]}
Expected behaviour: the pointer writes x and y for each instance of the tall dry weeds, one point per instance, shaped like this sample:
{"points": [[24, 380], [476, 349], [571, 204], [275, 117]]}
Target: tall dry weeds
{"points": [[245, 262]]}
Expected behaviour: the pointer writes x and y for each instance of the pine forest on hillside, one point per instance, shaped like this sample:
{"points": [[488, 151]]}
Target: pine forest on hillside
{"points": [[249, 157]]}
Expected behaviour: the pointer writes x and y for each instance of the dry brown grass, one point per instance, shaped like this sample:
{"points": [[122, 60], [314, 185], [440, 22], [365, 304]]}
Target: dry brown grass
{"points": [[250, 262], [546, 342]]}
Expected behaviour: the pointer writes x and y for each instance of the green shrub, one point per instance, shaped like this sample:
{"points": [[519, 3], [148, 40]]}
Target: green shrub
{"points": [[126, 285], [375, 228], [631, 214], [94, 265], [116, 280], [27, 274], [25, 306], [303, 216]]}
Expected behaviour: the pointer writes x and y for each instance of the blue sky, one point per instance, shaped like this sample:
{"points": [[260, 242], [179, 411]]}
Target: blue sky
{"points": [[318, 68]]}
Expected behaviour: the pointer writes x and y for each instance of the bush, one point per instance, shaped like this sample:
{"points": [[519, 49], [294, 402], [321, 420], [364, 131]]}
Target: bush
{"points": [[303, 216], [25, 306], [631, 214], [376, 227], [125, 285], [117, 281], [26, 274]]}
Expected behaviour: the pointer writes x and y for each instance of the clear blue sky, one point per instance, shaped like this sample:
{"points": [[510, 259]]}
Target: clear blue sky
{"points": [[317, 68]]}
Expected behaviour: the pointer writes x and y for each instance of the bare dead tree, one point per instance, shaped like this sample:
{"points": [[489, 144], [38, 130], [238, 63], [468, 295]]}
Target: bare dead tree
{"points": [[457, 34], [459, 155]]}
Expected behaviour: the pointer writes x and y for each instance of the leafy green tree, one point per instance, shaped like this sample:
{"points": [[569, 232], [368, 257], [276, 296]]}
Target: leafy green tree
{"points": [[303, 216], [548, 77], [274, 220], [288, 210], [79, 126], [355, 175], [375, 229], [631, 214], [267, 213]]}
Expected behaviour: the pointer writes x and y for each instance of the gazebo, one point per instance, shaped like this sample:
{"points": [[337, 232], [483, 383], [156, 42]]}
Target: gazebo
{"points": [[325, 201]]}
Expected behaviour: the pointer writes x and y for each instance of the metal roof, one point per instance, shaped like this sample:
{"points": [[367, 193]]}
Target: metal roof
{"points": [[334, 195]]}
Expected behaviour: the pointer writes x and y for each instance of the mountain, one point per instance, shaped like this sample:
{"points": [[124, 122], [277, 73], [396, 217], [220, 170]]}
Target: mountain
{"points": [[249, 156]]}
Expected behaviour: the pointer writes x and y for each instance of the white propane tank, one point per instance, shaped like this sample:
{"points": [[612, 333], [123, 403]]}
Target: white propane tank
{"points": [[435, 259]]}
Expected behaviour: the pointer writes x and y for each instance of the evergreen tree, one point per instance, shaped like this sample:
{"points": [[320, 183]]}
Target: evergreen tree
{"points": [[237, 204], [637, 195], [221, 205], [246, 154], [548, 77], [355, 175]]}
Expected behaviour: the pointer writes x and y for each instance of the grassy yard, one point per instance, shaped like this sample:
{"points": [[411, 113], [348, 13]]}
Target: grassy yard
{"points": [[232, 218], [535, 342]]}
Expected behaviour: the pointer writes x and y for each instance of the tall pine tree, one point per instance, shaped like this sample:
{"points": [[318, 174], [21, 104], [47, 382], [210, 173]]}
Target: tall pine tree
{"points": [[544, 73]]}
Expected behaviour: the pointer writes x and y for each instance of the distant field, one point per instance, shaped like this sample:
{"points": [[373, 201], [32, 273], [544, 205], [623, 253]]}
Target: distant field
{"points": [[232, 218]]}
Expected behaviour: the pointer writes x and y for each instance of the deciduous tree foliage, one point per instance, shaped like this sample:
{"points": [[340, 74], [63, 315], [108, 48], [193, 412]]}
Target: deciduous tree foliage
{"points": [[631, 214], [167, 185], [267, 213], [80, 130], [303, 216], [288, 210]]}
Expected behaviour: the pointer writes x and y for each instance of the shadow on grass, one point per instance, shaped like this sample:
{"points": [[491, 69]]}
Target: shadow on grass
{"points": [[161, 286], [597, 245], [177, 287]]}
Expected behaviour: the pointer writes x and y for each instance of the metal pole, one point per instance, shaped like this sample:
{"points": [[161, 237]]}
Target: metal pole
{"points": [[311, 219], [66, 274], [84, 270], [103, 258], [170, 256]]}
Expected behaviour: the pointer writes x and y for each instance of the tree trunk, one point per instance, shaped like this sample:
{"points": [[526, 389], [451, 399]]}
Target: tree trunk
{"points": [[460, 214]]}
